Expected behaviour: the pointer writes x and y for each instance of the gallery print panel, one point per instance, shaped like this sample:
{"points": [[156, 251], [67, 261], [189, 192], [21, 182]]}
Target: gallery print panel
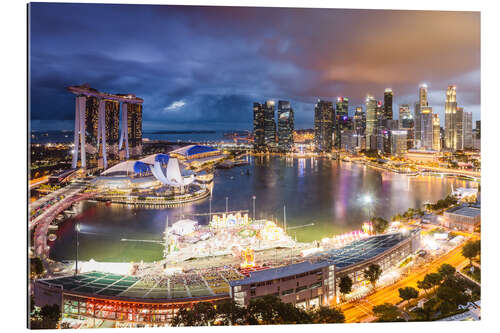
{"points": [[203, 166]]}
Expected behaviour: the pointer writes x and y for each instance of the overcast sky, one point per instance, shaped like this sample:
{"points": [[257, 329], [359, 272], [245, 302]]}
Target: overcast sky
{"points": [[203, 67]]}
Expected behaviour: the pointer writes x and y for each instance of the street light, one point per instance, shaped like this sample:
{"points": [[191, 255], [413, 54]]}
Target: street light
{"points": [[210, 208], [77, 228], [368, 200], [253, 199], [227, 210]]}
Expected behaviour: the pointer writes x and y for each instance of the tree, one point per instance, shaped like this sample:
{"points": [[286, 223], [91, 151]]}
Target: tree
{"points": [[345, 285], [230, 313], [408, 293], [326, 315], [386, 312], [380, 225], [48, 317], [446, 270], [424, 285], [270, 310], [36, 267], [372, 274], [451, 295], [433, 279], [202, 314], [471, 249], [427, 311], [396, 217]]}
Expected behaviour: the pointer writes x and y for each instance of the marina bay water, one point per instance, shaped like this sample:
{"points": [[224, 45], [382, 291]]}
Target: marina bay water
{"points": [[328, 193]]}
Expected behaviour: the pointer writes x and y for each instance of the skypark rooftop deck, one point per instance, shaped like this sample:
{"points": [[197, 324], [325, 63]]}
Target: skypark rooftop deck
{"points": [[86, 90]]}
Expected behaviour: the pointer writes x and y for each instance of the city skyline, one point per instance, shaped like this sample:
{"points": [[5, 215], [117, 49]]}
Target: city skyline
{"points": [[168, 65]]}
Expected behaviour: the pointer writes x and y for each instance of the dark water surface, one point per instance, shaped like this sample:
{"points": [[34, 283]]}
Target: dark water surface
{"points": [[320, 191]]}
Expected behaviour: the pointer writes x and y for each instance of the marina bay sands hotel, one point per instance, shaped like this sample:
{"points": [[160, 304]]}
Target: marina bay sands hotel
{"points": [[100, 135]]}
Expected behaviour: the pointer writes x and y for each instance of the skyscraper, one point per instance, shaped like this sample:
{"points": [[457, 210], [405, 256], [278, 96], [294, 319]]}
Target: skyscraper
{"points": [[398, 141], [323, 126], [341, 123], [468, 142], [97, 123], [112, 121], [388, 95], [427, 128], [285, 126], [477, 135], [407, 123], [436, 133], [359, 121], [422, 102], [134, 114], [371, 122], [450, 109], [269, 125], [91, 118], [258, 127], [404, 112], [381, 127], [458, 131]]}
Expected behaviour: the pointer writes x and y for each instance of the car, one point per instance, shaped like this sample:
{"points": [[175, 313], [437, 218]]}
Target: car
{"points": [[422, 253]]}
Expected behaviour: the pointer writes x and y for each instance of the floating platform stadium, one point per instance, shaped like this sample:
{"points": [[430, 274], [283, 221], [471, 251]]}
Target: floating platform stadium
{"points": [[159, 179], [152, 298]]}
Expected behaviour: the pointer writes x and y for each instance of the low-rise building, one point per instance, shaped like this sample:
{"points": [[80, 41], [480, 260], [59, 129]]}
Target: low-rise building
{"points": [[423, 156], [462, 218]]}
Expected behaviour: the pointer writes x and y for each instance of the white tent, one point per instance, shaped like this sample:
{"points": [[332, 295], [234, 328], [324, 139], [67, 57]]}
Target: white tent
{"points": [[184, 227]]}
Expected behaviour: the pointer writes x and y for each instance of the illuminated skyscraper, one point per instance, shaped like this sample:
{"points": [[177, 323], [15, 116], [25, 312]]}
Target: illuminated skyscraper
{"points": [[436, 133], [407, 123], [450, 110], [359, 121], [269, 125], [371, 116], [398, 141], [258, 127], [341, 123], [388, 95], [134, 114], [323, 126], [112, 122], [427, 128], [458, 131], [91, 129], [111, 127], [96, 125], [371, 123], [404, 112], [468, 142], [422, 102], [285, 126]]}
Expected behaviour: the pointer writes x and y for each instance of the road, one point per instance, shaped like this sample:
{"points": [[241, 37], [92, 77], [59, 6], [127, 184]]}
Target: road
{"points": [[38, 181], [361, 311]]}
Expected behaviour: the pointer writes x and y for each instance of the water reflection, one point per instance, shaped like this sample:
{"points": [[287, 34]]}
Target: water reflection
{"points": [[320, 191]]}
